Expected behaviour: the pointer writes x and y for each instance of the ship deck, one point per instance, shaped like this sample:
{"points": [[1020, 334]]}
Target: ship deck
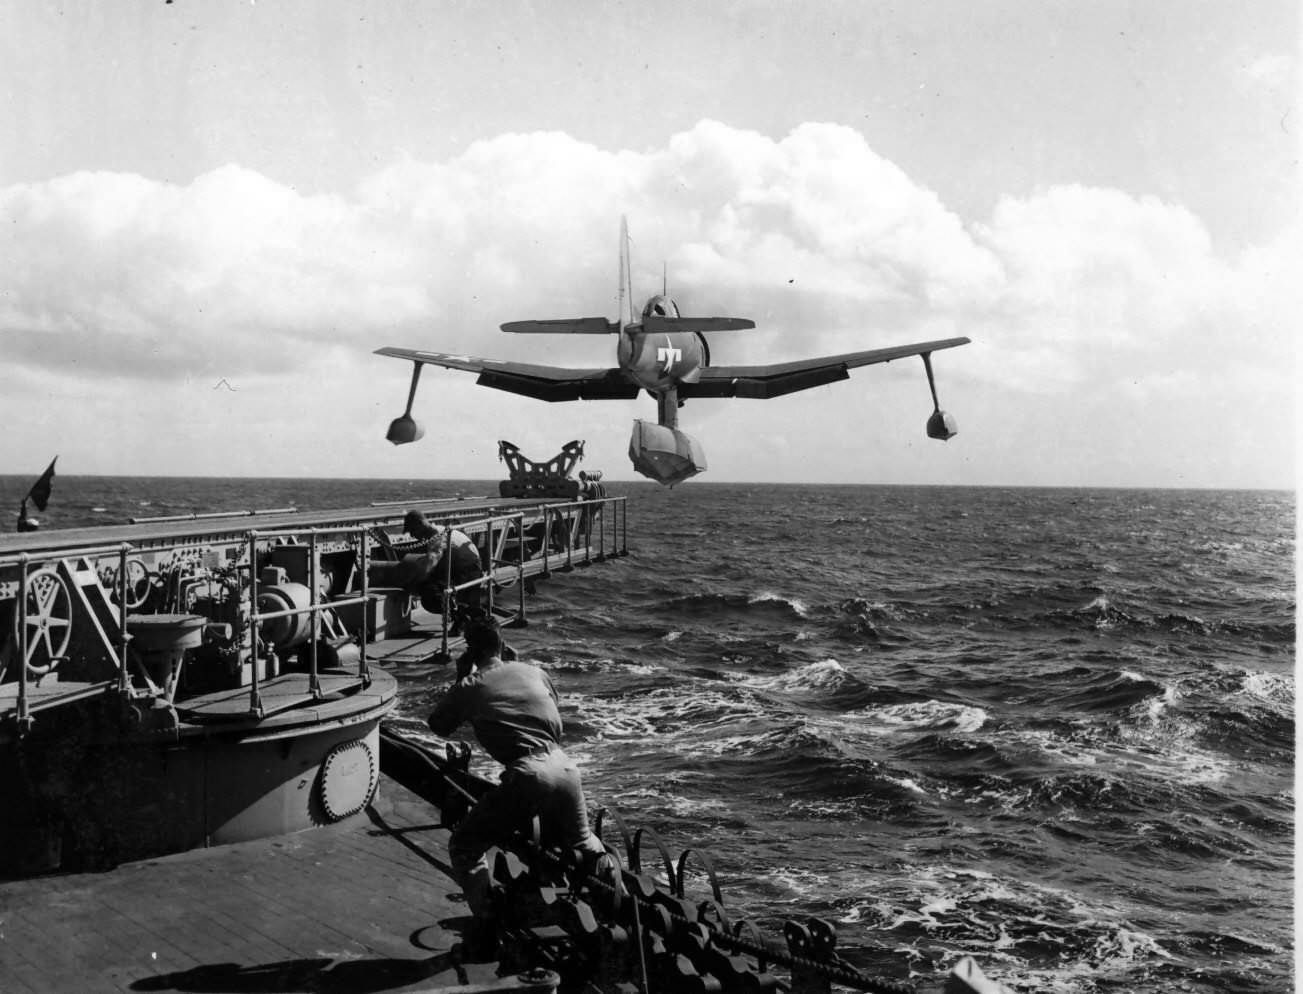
{"points": [[364, 905], [198, 527]]}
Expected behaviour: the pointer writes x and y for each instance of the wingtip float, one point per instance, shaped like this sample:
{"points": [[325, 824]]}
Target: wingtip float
{"points": [[666, 355]]}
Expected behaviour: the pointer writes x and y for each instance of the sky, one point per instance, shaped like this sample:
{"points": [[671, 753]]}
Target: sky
{"points": [[211, 215]]}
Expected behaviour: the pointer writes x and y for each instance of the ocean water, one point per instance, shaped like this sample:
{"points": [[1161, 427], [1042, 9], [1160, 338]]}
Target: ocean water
{"points": [[1051, 728]]}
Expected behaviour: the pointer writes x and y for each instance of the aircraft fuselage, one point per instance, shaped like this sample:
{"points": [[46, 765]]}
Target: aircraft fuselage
{"points": [[659, 361]]}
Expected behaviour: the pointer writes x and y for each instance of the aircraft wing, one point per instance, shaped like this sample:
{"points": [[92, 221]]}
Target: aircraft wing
{"points": [[551, 383], [777, 379]]}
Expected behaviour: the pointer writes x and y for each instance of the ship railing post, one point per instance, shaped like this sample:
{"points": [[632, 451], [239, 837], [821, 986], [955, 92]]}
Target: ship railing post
{"points": [[547, 539], [124, 638], [588, 535], [520, 559], [447, 584], [255, 698], [624, 519], [24, 717], [314, 594], [570, 537], [363, 669], [601, 530], [492, 553]]}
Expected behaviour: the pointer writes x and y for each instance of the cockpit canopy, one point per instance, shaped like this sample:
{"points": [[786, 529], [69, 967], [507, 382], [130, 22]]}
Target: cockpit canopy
{"points": [[660, 306]]}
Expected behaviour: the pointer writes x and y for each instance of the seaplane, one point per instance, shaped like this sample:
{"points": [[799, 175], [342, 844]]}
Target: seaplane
{"points": [[667, 355]]}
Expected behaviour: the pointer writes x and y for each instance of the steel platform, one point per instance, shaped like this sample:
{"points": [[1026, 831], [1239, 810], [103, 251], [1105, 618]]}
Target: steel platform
{"points": [[363, 905]]}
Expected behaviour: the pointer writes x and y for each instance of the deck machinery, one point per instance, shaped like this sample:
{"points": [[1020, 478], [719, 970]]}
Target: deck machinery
{"points": [[192, 681]]}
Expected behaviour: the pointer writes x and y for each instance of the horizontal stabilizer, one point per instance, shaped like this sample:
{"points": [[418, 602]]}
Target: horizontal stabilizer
{"points": [[656, 324], [563, 326]]}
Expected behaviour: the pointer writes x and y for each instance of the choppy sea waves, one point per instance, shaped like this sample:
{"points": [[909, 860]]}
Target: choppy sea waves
{"points": [[1051, 728]]}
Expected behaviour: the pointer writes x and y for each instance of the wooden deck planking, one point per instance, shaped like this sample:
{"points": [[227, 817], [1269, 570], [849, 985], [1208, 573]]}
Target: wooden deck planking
{"points": [[327, 909]]}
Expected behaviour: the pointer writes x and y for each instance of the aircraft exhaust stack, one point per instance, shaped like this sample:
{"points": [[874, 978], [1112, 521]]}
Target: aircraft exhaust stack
{"points": [[665, 454]]}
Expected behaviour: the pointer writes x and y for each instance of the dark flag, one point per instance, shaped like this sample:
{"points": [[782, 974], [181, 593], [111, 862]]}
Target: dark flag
{"points": [[40, 492]]}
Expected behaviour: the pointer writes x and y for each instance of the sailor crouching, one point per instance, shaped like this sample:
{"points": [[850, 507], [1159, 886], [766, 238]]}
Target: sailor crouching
{"points": [[423, 572], [512, 706], [458, 559]]}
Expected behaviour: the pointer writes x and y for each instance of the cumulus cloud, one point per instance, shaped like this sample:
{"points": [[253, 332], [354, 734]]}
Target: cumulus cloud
{"points": [[125, 275], [825, 243]]}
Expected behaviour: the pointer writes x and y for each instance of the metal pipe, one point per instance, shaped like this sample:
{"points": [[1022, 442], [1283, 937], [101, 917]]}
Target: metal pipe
{"points": [[24, 717], [570, 538], [493, 561], [255, 699], [363, 670], [520, 561], [447, 582], [14, 559], [547, 539], [314, 591], [124, 637]]}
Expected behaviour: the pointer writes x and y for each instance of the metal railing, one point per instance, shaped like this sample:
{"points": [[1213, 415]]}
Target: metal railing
{"points": [[572, 533], [489, 579], [314, 608], [580, 527], [23, 621]]}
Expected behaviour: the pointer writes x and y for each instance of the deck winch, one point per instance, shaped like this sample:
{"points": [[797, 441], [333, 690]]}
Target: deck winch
{"points": [[277, 593]]}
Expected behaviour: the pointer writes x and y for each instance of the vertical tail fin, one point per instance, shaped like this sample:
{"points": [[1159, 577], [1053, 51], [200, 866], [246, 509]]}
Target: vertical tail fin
{"points": [[626, 276]]}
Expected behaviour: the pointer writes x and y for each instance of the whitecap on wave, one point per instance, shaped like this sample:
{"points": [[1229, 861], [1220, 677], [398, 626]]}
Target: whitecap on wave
{"points": [[685, 723], [822, 675], [650, 801], [924, 716], [1276, 688], [772, 597], [1163, 750], [602, 664], [1011, 924]]}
